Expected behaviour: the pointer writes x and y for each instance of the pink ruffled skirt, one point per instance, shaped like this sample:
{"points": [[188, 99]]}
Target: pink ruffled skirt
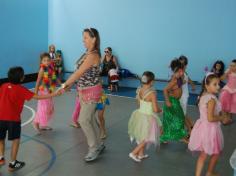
{"points": [[45, 110], [206, 137], [228, 101]]}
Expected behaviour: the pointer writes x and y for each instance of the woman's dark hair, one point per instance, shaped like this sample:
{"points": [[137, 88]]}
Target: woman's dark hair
{"points": [[93, 33], [234, 61], [184, 60], [175, 65], [206, 81], [15, 75], [147, 77], [109, 49], [43, 55], [222, 69]]}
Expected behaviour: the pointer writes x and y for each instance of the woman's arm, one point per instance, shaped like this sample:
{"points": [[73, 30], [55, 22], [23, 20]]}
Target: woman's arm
{"points": [[211, 112], [39, 78], [115, 62], [89, 61]]}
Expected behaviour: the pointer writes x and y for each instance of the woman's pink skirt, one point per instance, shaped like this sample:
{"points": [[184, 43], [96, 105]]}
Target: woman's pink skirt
{"points": [[45, 110]]}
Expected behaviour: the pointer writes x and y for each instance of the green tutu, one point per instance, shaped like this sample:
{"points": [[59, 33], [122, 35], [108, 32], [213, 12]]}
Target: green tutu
{"points": [[173, 122]]}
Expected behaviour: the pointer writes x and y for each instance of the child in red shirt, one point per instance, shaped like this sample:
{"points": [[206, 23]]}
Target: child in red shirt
{"points": [[12, 98]]}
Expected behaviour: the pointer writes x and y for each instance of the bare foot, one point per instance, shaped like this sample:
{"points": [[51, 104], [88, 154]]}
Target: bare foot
{"points": [[184, 140], [36, 127], [46, 128], [212, 174], [75, 125]]}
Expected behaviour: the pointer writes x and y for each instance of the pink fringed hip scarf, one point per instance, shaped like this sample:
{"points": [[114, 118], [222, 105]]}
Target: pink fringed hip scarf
{"points": [[90, 94]]}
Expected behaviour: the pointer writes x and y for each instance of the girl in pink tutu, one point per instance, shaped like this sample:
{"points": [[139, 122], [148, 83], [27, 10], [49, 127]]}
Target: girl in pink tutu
{"points": [[45, 84], [228, 94], [206, 136]]}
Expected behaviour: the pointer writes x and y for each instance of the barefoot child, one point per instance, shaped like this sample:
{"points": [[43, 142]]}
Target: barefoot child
{"points": [[173, 115], [144, 125], [206, 136], [12, 98], [45, 84]]}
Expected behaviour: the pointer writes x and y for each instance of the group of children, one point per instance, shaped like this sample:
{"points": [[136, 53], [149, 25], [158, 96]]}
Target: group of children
{"points": [[145, 127], [205, 136]]}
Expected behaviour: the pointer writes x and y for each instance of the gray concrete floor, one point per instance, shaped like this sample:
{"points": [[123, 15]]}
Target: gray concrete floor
{"points": [[60, 152]]}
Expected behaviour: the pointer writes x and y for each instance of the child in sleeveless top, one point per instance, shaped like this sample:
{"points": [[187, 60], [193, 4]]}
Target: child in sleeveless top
{"points": [[45, 84], [206, 136], [185, 94], [173, 115], [144, 125]]}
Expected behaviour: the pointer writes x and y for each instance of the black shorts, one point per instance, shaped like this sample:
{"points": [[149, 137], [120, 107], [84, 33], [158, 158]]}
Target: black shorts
{"points": [[13, 129]]}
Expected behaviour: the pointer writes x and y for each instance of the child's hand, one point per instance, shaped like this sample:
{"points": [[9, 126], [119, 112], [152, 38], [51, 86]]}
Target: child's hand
{"points": [[168, 104], [193, 87], [161, 130]]}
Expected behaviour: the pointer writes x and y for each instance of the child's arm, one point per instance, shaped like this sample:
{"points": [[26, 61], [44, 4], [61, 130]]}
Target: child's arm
{"points": [[192, 84], [39, 78], [225, 75], [40, 97], [211, 112], [166, 90], [155, 106]]}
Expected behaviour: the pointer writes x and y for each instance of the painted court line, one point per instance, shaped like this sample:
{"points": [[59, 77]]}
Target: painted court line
{"points": [[49, 147], [31, 118]]}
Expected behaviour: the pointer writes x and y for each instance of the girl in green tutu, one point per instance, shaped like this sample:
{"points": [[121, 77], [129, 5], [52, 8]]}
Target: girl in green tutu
{"points": [[144, 125], [173, 115]]}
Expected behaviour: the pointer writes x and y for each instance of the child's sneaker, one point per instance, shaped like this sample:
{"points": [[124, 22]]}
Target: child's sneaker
{"points": [[2, 162], [16, 166]]}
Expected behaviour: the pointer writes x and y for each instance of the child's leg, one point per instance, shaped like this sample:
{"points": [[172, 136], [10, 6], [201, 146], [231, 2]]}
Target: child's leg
{"points": [[141, 151], [2, 148], [138, 148], [102, 122], [3, 132], [189, 124], [14, 149], [75, 115], [111, 86], [212, 164], [200, 163]]}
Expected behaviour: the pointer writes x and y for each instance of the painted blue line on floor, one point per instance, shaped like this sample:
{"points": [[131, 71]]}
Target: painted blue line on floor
{"points": [[51, 150]]}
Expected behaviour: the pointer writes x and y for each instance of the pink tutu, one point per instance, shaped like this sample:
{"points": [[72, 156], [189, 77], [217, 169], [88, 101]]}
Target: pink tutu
{"points": [[45, 110], [228, 101], [207, 136]]}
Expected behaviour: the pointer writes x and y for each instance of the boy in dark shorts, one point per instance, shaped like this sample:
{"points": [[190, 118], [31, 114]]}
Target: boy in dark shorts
{"points": [[12, 98]]}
